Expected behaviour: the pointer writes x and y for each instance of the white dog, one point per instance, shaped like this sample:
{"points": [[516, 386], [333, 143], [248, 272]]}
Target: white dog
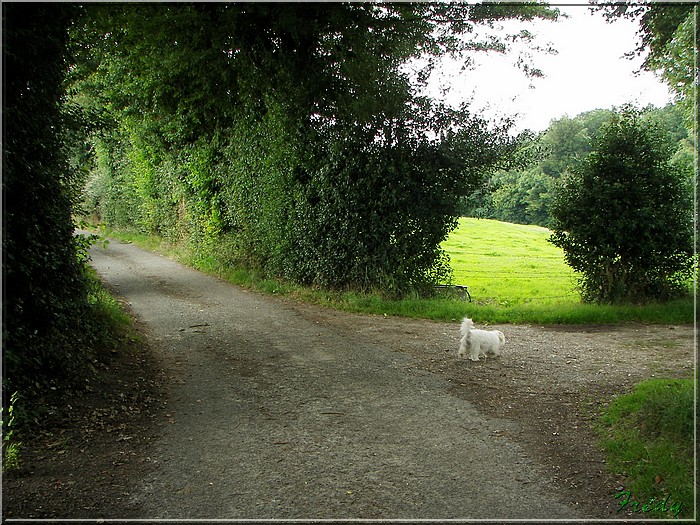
{"points": [[479, 342]]}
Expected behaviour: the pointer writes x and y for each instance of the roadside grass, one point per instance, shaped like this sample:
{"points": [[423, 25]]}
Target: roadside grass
{"points": [[514, 276], [10, 445], [113, 317], [109, 332], [648, 436]]}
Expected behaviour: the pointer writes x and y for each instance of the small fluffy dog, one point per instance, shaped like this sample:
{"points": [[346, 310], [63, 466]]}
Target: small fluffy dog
{"points": [[479, 342]]}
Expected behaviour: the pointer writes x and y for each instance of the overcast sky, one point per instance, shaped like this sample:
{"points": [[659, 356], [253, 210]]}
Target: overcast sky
{"points": [[589, 72]]}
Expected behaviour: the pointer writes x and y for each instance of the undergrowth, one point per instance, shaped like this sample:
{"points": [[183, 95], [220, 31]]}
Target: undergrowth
{"points": [[108, 331], [648, 436], [10, 445]]}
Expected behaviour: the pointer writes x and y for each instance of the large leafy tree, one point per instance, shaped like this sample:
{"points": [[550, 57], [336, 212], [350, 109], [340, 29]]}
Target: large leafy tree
{"points": [[290, 136], [624, 217], [46, 316], [668, 40]]}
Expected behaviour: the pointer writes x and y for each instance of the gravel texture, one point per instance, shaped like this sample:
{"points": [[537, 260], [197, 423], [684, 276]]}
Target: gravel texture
{"points": [[277, 409]]}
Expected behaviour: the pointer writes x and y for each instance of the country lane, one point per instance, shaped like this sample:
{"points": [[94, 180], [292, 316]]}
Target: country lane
{"points": [[274, 415]]}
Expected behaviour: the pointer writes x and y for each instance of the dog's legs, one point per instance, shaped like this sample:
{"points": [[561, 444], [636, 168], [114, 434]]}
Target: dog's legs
{"points": [[474, 353], [462, 352]]}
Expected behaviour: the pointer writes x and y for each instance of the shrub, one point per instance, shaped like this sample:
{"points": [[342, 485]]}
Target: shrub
{"points": [[624, 217]]}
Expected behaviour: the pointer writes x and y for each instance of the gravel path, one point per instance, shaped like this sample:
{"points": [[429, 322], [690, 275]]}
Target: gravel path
{"points": [[283, 410]]}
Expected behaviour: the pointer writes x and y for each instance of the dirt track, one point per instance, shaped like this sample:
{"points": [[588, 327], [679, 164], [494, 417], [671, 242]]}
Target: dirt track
{"points": [[282, 410]]}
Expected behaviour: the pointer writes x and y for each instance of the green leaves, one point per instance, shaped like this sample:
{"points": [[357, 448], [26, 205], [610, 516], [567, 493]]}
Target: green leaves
{"points": [[668, 40], [289, 133], [624, 218], [48, 327]]}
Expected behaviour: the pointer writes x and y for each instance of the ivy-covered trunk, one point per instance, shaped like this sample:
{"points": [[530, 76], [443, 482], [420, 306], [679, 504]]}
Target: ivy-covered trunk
{"points": [[44, 292]]}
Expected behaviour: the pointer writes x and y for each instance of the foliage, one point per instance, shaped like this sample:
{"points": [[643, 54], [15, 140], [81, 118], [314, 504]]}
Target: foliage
{"points": [[522, 197], [53, 326], [44, 290], [288, 138], [10, 447], [624, 218], [648, 437], [668, 35], [525, 195]]}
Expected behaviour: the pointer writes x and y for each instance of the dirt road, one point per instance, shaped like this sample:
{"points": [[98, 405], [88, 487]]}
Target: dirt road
{"points": [[284, 410]]}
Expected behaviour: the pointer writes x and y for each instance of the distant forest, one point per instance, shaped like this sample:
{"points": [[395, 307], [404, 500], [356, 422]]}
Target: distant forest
{"points": [[524, 196]]}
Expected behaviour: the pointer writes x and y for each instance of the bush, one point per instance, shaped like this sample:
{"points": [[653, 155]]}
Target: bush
{"points": [[44, 289], [51, 329], [624, 217], [287, 140]]}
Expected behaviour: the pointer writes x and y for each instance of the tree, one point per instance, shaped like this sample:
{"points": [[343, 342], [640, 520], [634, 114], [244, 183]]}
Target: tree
{"points": [[566, 142], [45, 308], [624, 217], [521, 197], [669, 38], [289, 138]]}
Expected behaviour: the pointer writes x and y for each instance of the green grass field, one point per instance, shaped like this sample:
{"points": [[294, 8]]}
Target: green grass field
{"points": [[514, 276], [509, 264]]}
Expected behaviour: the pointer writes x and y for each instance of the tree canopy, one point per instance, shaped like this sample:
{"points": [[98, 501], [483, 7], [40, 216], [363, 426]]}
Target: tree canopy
{"points": [[668, 40], [288, 138], [624, 216]]}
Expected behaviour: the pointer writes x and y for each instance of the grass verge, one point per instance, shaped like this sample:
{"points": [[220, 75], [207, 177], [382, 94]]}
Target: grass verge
{"points": [[528, 283], [106, 334], [648, 436], [108, 311]]}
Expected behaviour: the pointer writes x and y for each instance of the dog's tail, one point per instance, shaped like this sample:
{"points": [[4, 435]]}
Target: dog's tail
{"points": [[467, 325]]}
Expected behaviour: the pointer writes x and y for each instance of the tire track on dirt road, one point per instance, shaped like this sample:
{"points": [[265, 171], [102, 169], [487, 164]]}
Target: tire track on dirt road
{"points": [[274, 415]]}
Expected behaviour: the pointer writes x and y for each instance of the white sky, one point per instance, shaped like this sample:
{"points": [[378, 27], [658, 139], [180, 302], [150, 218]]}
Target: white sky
{"points": [[589, 72]]}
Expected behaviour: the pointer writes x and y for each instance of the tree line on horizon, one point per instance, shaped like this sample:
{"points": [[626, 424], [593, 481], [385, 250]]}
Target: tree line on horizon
{"points": [[526, 195]]}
